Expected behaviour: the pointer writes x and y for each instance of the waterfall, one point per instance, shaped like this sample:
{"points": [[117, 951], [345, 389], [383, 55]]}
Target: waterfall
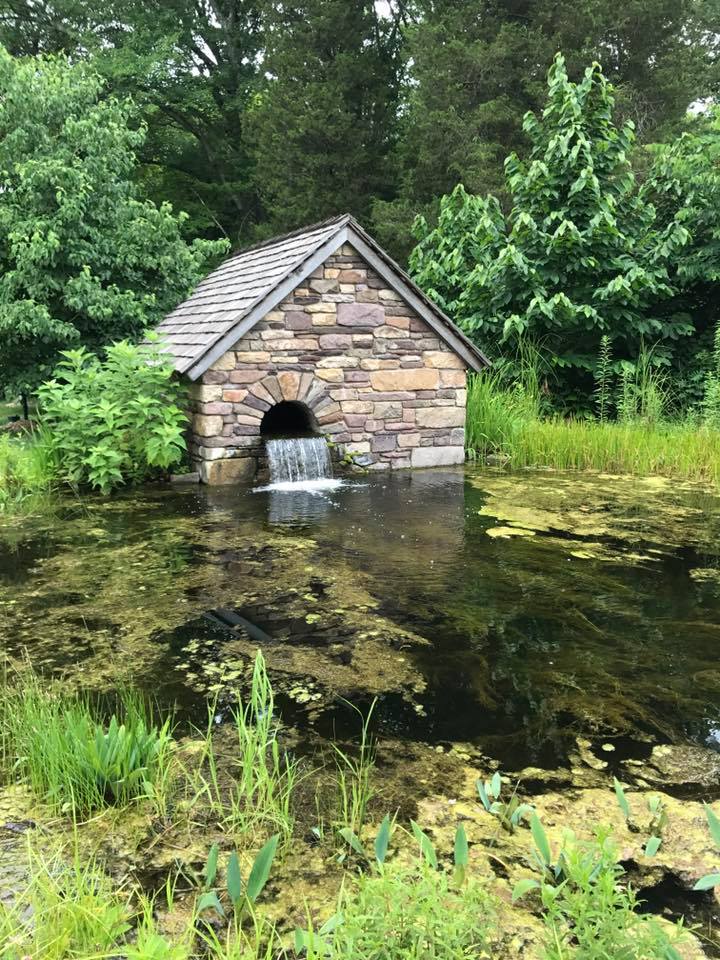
{"points": [[299, 459]]}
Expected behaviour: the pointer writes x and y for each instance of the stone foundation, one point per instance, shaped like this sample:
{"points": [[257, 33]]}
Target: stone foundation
{"points": [[379, 381]]}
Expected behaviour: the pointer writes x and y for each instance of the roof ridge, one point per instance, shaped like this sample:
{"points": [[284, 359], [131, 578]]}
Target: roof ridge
{"points": [[280, 237]]}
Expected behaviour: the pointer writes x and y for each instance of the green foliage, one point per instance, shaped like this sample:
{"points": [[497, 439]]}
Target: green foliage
{"points": [[261, 792], [241, 895], [710, 880], [589, 910], [323, 126], [113, 421], [27, 475], [83, 260], [418, 909], [67, 911], [603, 379], [578, 257], [501, 423], [72, 760], [354, 773], [510, 813]]}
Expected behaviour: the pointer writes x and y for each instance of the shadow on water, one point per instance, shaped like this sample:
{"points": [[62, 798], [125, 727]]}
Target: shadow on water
{"points": [[511, 612]]}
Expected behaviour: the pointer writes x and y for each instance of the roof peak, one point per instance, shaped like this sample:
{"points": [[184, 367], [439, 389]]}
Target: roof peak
{"points": [[340, 220]]}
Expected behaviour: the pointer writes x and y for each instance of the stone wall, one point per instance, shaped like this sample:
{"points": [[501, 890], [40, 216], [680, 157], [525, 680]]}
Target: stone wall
{"points": [[379, 381]]}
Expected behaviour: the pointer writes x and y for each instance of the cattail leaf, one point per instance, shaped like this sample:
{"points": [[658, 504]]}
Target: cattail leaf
{"points": [[461, 847], [426, 847], [382, 840]]}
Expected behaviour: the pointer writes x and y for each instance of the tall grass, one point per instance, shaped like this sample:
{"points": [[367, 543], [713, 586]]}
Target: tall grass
{"points": [[56, 744], [354, 773], [260, 792], [27, 475], [505, 421]]}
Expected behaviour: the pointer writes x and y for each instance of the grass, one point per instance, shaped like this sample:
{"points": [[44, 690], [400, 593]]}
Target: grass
{"points": [[27, 475], [261, 792], [505, 422], [57, 745], [354, 778]]}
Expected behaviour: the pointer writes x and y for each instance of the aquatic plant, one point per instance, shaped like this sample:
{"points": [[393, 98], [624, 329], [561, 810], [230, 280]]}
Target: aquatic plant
{"points": [[67, 909], [510, 813], [419, 909], [710, 880], [55, 743], [241, 895], [354, 778], [263, 777], [603, 378], [588, 910]]}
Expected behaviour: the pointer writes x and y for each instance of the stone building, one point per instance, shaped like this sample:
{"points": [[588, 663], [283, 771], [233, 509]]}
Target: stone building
{"points": [[319, 331]]}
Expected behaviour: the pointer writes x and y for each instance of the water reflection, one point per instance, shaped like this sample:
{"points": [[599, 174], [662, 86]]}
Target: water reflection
{"points": [[604, 616]]}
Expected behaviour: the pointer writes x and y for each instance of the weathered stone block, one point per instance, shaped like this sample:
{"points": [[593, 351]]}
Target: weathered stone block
{"points": [[420, 379], [452, 378], [409, 440], [360, 315], [443, 359], [437, 456], [225, 362], [327, 285], [330, 374], [234, 470], [289, 383], [324, 320], [440, 417], [214, 408], [335, 341], [205, 393], [205, 426], [382, 442], [252, 356], [297, 321], [234, 396]]}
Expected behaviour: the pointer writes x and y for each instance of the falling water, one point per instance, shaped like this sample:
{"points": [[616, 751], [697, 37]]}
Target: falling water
{"points": [[297, 460]]}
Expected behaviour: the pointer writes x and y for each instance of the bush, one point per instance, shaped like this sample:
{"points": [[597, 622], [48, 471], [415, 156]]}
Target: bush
{"points": [[116, 420]]}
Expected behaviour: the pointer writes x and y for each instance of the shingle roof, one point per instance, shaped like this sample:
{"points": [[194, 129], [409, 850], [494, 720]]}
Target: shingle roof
{"points": [[246, 286]]}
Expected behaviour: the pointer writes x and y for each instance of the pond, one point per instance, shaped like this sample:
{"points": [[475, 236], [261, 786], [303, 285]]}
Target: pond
{"points": [[559, 628], [512, 612]]}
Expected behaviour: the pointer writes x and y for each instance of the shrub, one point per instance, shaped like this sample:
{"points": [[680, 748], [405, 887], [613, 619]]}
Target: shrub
{"points": [[57, 746], [116, 420]]}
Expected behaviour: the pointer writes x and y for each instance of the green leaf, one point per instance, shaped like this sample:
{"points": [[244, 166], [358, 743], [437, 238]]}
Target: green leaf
{"points": [[234, 880], [713, 823], [707, 882], [482, 793], [210, 901], [621, 798], [426, 847], [652, 846], [260, 870], [461, 847], [382, 840], [496, 784], [541, 840], [524, 886], [210, 871], [353, 841]]}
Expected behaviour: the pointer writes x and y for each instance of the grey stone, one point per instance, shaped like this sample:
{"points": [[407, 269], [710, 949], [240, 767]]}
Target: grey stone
{"points": [[437, 456]]}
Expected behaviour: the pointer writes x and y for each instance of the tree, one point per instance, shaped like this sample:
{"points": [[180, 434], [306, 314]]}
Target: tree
{"points": [[579, 256], [474, 70], [324, 125], [191, 66], [83, 261]]}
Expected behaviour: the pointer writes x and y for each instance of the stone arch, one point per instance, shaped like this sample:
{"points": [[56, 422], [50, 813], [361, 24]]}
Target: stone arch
{"points": [[289, 386], [289, 418]]}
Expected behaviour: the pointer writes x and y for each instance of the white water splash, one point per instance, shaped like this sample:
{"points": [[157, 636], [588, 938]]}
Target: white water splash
{"points": [[301, 463]]}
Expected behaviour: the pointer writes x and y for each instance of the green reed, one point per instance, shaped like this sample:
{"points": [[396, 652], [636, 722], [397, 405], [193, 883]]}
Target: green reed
{"points": [[258, 795], [353, 776], [28, 482]]}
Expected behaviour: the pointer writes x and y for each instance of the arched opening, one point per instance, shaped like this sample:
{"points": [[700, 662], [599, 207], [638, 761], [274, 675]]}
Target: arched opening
{"points": [[288, 419]]}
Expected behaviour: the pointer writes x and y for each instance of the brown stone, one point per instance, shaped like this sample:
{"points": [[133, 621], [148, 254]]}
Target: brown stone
{"points": [[440, 417], [352, 276], [252, 356], [289, 383], [298, 321], [205, 393], [324, 320], [205, 426], [225, 471], [421, 379], [443, 359], [452, 378], [216, 407], [328, 285], [329, 374], [234, 396], [360, 315]]}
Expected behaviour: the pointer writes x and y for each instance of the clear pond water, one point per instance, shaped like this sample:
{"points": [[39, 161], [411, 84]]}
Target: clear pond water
{"points": [[513, 612]]}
